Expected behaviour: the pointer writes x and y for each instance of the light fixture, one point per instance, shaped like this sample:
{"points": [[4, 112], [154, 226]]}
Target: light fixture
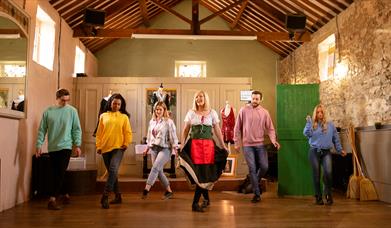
{"points": [[10, 36], [191, 37]]}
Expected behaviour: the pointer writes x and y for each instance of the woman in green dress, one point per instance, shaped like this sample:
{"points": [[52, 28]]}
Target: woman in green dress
{"points": [[202, 161]]}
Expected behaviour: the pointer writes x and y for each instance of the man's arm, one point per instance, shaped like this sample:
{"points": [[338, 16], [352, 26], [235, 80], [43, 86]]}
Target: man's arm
{"points": [[76, 134], [41, 135], [238, 130], [271, 132]]}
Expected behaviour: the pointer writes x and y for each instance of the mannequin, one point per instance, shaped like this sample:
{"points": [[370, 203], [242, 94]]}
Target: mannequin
{"points": [[108, 95], [18, 103], [160, 95], [228, 123], [103, 108]]}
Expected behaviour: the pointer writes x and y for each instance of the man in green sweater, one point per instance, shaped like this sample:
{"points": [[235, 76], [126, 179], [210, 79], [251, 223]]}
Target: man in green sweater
{"points": [[62, 125]]}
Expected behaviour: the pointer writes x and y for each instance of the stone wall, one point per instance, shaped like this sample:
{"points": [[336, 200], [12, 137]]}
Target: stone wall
{"points": [[362, 96]]}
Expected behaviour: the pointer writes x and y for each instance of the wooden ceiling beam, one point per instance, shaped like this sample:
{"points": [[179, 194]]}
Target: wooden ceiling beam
{"points": [[118, 7], [78, 12], [221, 11], [270, 11], [168, 9], [311, 19], [195, 21], [329, 6], [69, 7], [144, 12], [328, 16], [127, 33], [239, 15], [339, 4]]}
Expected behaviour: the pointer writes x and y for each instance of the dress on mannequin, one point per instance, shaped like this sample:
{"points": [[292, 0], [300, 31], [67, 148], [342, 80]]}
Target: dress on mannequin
{"points": [[18, 103], [160, 95], [228, 123]]}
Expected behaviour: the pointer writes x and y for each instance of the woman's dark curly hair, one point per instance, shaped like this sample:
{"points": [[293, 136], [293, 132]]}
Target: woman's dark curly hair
{"points": [[122, 109]]}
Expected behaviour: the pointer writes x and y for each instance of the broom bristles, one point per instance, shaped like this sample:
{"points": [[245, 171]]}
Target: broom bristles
{"points": [[353, 191], [367, 190]]}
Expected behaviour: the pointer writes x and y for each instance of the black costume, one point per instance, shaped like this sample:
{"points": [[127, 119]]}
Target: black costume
{"points": [[18, 106], [160, 95], [104, 106]]}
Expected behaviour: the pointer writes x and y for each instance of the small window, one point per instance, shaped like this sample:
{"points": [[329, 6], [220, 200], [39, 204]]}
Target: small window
{"points": [[190, 69], [43, 52], [80, 57], [13, 69], [326, 51]]}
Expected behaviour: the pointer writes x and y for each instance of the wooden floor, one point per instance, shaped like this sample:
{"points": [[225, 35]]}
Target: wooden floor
{"points": [[228, 209]]}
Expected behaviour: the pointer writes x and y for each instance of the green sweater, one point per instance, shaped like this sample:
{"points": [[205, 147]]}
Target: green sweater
{"points": [[62, 126]]}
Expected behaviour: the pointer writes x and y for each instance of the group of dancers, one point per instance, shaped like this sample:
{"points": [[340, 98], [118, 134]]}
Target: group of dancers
{"points": [[202, 149]]}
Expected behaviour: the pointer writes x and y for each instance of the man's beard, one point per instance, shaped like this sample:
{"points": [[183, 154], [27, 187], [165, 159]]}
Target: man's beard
{"points": [[254, 104]]}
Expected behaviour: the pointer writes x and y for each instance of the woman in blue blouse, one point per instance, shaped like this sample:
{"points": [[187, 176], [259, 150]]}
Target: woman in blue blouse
{"points": [[162, 141], [322, 136]]}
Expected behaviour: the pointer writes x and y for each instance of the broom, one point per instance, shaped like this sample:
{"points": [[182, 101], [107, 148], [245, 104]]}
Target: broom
{"points": [[367, 190], [353, 191]]}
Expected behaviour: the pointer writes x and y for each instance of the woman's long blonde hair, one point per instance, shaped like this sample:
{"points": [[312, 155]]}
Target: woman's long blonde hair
{"points": [[315, 119], [165, 111], [206, 103]]}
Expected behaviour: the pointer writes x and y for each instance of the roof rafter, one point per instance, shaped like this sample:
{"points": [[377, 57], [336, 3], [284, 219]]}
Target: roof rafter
{"points": [[239, 15], [144, 12], [168, 9], [221, 11]]}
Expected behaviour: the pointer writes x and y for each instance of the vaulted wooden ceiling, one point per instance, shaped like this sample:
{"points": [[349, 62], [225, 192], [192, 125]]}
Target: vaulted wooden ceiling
{"points": [[263, 18]]}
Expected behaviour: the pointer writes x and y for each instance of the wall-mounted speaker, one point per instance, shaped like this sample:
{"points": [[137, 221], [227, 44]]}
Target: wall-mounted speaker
{"points": [[94, 17], [295, 22]]}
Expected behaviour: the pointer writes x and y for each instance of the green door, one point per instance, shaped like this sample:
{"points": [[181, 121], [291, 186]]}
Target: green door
{"points": [[294, 103]]}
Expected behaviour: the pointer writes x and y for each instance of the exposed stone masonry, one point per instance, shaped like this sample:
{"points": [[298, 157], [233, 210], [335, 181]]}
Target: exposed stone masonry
{"points": [[363, 96]]}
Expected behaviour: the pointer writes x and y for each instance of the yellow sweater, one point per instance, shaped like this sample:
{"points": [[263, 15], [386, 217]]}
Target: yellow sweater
{"points": [[113, 132]]}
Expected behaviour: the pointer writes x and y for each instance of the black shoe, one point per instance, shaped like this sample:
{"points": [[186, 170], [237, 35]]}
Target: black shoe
{"points": [[256, 199], [66, 200], [205, 203], [117, 199], [167, 195], [329, 200], [145, 194], [52, 205], [104, 201], [195, 207], [319, 200]]}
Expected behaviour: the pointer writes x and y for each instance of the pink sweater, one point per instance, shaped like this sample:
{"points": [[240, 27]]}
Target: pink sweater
{"points": [[251, 126]]}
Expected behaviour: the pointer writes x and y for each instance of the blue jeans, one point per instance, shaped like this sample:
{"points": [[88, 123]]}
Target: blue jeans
{"points": [[322, 158], [159, 159], [257, 162], [112, 161]]}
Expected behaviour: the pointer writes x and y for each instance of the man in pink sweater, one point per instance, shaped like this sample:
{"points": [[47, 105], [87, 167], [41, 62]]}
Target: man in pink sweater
{"points": [[252, 124]]}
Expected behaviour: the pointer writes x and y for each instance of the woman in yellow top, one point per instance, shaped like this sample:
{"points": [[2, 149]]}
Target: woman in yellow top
{"points": [[113, 136]]}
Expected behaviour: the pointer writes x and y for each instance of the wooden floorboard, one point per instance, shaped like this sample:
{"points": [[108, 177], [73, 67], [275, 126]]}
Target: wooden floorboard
{"points": [[228, 209]]}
